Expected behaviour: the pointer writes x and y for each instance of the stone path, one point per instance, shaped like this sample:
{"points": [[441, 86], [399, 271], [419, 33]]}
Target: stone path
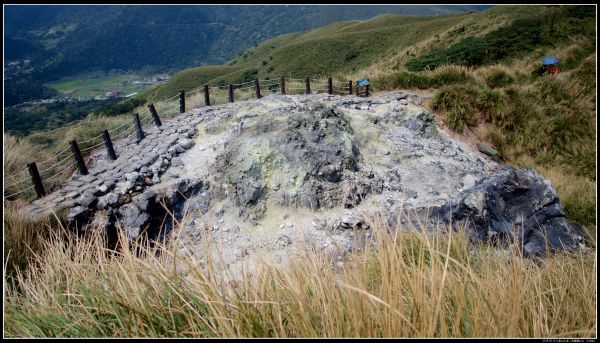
{"points": [[143, 161]]}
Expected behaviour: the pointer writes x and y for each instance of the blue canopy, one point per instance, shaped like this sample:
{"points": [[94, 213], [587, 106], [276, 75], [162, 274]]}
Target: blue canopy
{"points": [[363, 82], [549, 60]]}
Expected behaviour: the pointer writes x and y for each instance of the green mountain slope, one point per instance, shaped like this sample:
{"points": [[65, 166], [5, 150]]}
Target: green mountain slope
{"points": [[339, 48], [63, 40]]}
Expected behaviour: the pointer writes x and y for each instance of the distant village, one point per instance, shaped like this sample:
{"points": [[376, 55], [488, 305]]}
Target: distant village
{"points": [[12, 68]]}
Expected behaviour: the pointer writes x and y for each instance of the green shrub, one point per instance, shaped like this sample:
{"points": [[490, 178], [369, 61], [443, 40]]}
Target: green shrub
{"points": [[411, 80], [449, 76], [491, 104], [498, 78], [459, 103], [520, 37], [249, 75], [586, 74], [552, 90], [460, 117], [455, 97]]}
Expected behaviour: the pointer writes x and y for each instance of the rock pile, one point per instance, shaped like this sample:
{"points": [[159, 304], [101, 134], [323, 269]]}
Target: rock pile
{"points": [[275, 174]]}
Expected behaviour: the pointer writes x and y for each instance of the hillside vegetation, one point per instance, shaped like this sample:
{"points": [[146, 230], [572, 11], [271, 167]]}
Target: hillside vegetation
{"points": [[412, 285], [64, 40]]}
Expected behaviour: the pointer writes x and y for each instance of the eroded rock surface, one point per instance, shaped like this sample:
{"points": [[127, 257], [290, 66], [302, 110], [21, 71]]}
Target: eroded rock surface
{"points": [[283, 173], [515, 205]]}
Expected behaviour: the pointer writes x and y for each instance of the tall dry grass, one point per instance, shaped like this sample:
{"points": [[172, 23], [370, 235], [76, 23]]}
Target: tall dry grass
{"points": [[23, 236], [413, 284]]}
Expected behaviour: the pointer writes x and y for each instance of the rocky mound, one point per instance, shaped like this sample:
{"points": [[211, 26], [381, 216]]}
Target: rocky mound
{"points": [[260, 175], [303, 159]]}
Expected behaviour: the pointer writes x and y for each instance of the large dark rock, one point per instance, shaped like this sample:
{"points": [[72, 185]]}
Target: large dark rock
{"points": [[133, 220], [518, 205], [77, 217]]}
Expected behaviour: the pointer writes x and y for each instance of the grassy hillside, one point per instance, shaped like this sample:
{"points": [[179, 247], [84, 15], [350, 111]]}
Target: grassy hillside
{"points": [[337, 49]]}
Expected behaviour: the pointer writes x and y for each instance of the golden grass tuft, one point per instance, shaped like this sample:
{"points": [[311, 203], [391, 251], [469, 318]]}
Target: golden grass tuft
{"points": [[414, 284], [23, 237]]}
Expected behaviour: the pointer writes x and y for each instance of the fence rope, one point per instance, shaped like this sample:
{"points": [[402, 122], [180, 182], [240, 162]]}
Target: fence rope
{"points": [[115, 134], [92, 147], [91, 139], [60, 172], [53, 157], [223, 88], [174, 96], [16, 183], [150, 121], [16, 174], [123, 134], [243, 83], [244, 88], [17, 193], [56, 164], [164, 106]]}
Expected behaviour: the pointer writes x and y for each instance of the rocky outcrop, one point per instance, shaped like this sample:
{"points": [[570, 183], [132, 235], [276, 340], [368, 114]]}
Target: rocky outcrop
{"points": [[515, 205], [282, 171], [309, 159]]}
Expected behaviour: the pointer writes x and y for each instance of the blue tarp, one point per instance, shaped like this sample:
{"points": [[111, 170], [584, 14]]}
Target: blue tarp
{"points": [[363, 82], [549, 60]]}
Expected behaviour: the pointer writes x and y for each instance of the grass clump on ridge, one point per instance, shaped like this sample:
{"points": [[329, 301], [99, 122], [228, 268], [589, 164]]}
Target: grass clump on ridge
{"points": [[413, 285]]}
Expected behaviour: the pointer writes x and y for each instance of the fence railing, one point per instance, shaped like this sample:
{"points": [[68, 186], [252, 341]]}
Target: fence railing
{"points": [[71, 158]]}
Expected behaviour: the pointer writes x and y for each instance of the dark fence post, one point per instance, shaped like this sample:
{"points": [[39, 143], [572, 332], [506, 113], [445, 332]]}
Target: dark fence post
{"points": [[230, 92], [138, 126], [257, 87], [350, 87], [109, 147], [182, 101], [282, 85], [78, 157], [367, 90], [357, 88], [36, 179], [154, 115], [329, 86], [307, 85], [206, 96]]}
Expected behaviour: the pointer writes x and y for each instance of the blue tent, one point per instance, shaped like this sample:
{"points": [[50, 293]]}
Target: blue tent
{"points": [[549, 60]]}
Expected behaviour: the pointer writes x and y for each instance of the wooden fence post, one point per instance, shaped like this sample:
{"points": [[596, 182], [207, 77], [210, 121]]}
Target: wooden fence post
{"points": [[329, 86], [154, 115], [357, 88], [138, 126], [36, 179], [307, 85], [230, 92], [182, 101], [206, 96], [282, 85], [109, 147], [257, 87], [349, 87], [367, 90], [78, 157]]}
